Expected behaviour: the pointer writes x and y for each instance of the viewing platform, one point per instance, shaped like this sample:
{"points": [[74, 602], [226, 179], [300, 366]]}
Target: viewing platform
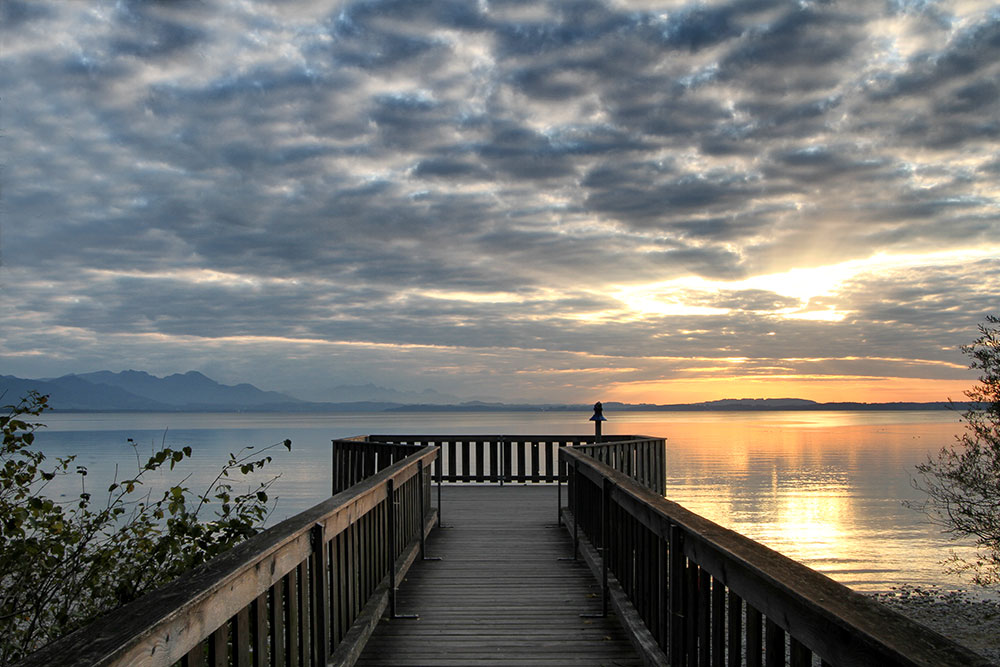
{"points": [[555, 550]]}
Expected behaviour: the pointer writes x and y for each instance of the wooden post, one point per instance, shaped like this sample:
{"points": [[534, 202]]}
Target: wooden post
{"points": [[605, 538], [735, 630], [320, 606], [677, 584], [392, 553], [439, 463]]}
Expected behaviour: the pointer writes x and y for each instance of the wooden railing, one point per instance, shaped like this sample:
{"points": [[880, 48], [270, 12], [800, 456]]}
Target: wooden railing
{"points": [[356, 459], [642, 459], [705, 595], [494, 458], [306, 591]]}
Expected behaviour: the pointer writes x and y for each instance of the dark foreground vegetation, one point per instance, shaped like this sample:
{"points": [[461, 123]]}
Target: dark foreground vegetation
{"points": [[963, 481], [65, 562]]}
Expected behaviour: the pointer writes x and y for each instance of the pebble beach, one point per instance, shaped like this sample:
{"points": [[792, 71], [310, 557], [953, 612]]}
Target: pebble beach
{"points": [[968, 617]]}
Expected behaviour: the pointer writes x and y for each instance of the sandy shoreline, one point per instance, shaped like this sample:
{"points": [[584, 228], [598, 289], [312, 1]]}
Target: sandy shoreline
{"points": [[964, 616]]}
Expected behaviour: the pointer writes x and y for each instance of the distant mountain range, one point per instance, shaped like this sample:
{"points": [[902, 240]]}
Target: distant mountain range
{"points": [[138, 390], [106, 391]]}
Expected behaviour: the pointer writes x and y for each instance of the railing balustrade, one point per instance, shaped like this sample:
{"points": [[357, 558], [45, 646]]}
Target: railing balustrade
{"points": [[494, 458], [356, 459], [293, 595], [709, 596], [642, 459]]}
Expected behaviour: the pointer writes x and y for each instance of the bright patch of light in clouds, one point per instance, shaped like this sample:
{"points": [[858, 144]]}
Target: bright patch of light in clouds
{"points": [[804, 284]]}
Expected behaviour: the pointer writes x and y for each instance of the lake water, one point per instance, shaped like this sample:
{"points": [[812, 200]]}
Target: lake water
{"points": [[825, 488]]}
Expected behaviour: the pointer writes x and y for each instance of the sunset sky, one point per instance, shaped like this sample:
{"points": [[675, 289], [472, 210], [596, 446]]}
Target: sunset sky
{"points": [[513, 200]]}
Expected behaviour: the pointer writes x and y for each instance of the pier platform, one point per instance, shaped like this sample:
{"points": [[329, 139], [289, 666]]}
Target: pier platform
{"points": [[500, 595]]}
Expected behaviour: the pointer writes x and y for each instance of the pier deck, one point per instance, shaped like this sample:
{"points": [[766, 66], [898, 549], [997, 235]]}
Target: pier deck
{"points": [[500, 596]]}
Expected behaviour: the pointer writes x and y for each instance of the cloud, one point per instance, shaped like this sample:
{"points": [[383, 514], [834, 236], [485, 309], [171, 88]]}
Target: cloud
{"points": [[469, 192]]}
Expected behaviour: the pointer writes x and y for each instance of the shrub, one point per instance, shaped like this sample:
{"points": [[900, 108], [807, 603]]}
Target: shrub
{"points": [[63, 563], [963, 481]]}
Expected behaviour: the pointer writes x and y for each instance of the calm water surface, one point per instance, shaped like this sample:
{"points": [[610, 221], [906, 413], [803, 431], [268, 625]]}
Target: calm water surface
{"points": [[825, 488]]}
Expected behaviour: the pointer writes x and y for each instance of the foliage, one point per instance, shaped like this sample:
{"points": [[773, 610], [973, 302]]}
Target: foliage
{"points": [[963, 480], [64, 563]]}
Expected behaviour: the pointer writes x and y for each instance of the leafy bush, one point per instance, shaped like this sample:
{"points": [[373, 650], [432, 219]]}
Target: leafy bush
{"points": [[64, 563], [963, 480]]}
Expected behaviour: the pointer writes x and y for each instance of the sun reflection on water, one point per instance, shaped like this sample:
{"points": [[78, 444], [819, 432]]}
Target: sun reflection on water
{"points": [[819, 489]]}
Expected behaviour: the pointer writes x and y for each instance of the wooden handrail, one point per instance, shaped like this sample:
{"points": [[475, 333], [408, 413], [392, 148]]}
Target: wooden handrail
{"points": [[295, 588], [494, 458], [639, 457], [356, 459], [708, 594]]}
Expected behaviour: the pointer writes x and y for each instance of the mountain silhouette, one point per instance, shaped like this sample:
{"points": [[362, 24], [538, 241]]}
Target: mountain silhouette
{"points": [[138, 390]]}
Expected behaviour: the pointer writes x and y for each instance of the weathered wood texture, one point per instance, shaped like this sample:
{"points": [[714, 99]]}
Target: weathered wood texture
{"points": [[711, 596], [501, 595]]}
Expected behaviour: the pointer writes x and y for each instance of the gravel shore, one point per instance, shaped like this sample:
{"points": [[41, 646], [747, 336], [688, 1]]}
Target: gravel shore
{"points": [[967, 617]]}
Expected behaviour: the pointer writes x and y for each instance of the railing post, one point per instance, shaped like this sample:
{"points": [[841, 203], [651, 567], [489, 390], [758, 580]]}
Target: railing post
{"points": [[440, 476], [558, 488], [606, 488], [392, 551], [420, 476], [391, 528], [423, 512], [677, 583], [662, 589], [320, 595], [576, 509], [504, 463]]}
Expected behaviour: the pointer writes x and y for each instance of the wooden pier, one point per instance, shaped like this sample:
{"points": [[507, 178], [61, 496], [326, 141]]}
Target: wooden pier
{"points": [[500, 595], [662, 585]]}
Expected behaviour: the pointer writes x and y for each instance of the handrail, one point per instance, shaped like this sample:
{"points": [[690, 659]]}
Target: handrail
{"points": [[641, 458], [494, 458], [356, 459], [289, 595], [708, 595]]}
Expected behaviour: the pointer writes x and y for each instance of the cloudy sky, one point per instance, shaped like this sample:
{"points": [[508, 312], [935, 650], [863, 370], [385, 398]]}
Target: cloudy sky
{"points": [[561, 201]]}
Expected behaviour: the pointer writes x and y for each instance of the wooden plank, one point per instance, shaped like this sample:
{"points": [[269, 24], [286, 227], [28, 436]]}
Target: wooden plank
{"points": [[800, 656], [319, 586], [704, 618], [774, 644], [258, 630], [218, 645], [677, 584], [241, 638], [195, 657], [500, 596], [293, 638], [276, 616], [718, 623], [734, 629], [754, 642], [480, 462]]}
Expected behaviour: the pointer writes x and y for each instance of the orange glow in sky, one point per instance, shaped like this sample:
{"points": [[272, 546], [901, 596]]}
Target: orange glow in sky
{"points": [[820, 389]]}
